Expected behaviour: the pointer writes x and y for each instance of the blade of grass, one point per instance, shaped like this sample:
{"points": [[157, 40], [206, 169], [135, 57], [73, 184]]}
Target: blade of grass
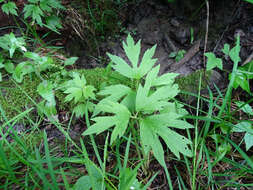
{"points": [[49, 163], [181, 181], [242, 153]]}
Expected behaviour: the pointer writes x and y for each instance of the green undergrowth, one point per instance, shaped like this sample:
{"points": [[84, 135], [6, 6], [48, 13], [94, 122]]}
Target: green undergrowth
{"points": [[15, 98]]}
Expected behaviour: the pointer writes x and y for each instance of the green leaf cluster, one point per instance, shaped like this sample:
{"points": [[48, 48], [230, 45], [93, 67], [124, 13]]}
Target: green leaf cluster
{"points": [[10, 8], [78, 91], [39, 9], [10, 43], [147, 109], [48, 105], [243, 76]]}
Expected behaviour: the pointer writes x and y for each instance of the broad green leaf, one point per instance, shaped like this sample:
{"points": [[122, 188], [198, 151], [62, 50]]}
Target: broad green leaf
{"points": [[171, 119], [180, 55], [147, 62], [165, 79], [120, 120], [129, 101], [33, 56], [88, 92], [173, 54], [83, 183], [132, 50], [45, 6], [146, 101], [248, 138], [150, 139], [245, 108], [53, 23], [146, 134], [247, 70], [96, 176], [21, 69], [175, 142], [158, 150], [10, 43], [235, 51], [121, 66], [242, 81], [243, 127], [127, 179], [79, 110], [34, 11], [70, 61], [160, 126], [213, 62], [77, 89], [9, 66], [102, 123], [116, 93], [176, 108], [45, 89], [1, 79], [52, 3], [73, 93]]}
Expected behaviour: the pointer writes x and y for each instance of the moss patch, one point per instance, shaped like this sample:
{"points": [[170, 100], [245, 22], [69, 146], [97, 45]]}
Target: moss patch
{"points": [[16, 98], [190, 83]]}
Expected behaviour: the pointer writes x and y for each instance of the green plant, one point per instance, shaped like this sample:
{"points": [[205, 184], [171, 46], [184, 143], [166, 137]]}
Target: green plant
{"points": [[41, 12], [250, 1], [177, 55], [37, 64], [98, 179], [244, 74], [48, 105], [80, 92], [9, 7], [9, 43], [213, 61], [147, 110]]}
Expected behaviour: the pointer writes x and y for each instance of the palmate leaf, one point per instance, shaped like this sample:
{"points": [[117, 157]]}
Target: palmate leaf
{"points": [[77, 89], [120, 120], [213, 61], [245, 126], [132, 51], [152, 127], [34, 11], [117, 93], [150, 102], [10, 7]]}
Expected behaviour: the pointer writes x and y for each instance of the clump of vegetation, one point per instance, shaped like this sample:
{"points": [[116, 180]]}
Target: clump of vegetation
{"points": [[135, 113]]}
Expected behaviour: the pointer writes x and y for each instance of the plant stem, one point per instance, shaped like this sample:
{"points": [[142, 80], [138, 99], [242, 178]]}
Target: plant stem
{"points": [[196, 141]]}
